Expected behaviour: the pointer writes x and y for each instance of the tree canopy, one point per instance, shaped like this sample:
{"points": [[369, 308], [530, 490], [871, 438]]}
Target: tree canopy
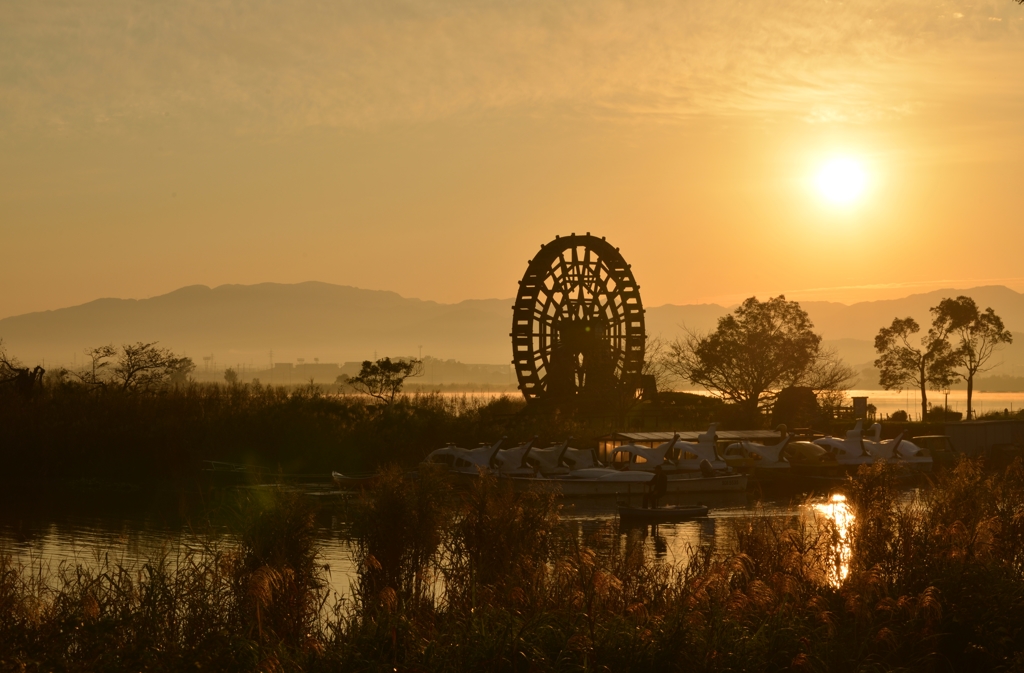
{"points": [[135, 367], [757, 351], [901, 364], [384, 379], [980, 334]]}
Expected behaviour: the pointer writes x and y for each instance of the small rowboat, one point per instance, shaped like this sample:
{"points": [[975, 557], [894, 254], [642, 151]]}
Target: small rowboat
{"points": [[352, 483], [664, 514]]}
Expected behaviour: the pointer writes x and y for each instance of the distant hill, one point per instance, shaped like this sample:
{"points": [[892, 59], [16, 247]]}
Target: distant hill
{"points": [[861, 321], [239, 323], [334, 323]]}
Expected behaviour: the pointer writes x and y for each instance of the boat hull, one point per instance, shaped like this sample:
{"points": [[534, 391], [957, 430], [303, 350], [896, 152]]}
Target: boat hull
{"points": [[576, 488]]}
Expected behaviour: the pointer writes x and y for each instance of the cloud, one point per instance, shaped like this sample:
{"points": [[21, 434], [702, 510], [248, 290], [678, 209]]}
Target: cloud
{"points": [[262, 67]]}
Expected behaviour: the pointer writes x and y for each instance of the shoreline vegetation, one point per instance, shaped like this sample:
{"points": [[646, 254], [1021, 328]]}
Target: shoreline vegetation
{"points": [[492, 579], [68, 432]]}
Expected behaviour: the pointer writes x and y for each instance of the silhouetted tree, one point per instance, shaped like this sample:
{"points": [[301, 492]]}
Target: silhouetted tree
{"points": [[13, 374], [756, 352], [383, 379], [139, 366], [830, 378], [99, 360], [143, 366], [980, 334], [179, 369], [900, 364], [230, 376]]}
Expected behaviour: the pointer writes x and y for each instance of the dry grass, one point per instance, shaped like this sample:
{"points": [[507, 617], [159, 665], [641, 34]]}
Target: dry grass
{"points": [[494, 580]]}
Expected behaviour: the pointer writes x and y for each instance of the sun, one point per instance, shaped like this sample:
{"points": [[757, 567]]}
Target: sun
{"points": [[841, 180]]}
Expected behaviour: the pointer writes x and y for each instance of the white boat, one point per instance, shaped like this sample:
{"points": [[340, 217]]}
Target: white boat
{"points": [[651, 457], [758, 460], [513, 462], [689, 455], [675, 455], [564, 462], [849, 452], [899, 451], [558, 459], [580, 459], [465, 461]]}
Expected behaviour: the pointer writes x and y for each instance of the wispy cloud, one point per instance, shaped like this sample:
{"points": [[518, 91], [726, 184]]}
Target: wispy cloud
{"points": [[277, 67]]}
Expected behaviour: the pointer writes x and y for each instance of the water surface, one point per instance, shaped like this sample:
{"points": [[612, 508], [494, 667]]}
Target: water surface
{"points": [[79, 529]]}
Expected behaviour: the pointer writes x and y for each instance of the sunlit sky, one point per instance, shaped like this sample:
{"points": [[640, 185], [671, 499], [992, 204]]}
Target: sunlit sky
{"points": [[430, 148]]}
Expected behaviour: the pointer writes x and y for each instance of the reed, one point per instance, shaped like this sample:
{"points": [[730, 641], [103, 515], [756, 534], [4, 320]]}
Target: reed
{"points": [[493, 579]]}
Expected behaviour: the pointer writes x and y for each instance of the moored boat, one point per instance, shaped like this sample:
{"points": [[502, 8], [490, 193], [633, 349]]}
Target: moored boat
{"points": [[898, 451], [764, 463], [348, 482], [807, 459], [664, 514], [850, 451], [465, 461], [675, 455], [513, 462]]}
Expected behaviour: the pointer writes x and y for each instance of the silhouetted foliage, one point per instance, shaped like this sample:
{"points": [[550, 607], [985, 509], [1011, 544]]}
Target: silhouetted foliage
{"points": [[796, 407], [980, 334], [901, 364], [139, 367], [757, 351], [21, 379], [230, 376], [384, 379]]}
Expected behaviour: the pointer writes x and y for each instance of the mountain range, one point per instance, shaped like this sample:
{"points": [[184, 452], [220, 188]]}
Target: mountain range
{"points": [[245, 323]]}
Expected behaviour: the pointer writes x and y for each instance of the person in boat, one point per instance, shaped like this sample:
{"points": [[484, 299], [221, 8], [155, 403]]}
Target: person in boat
{"points": [[659, 486]]}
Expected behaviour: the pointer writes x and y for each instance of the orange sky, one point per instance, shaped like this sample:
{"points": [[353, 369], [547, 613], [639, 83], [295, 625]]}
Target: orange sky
{"points": [[431, 147]]}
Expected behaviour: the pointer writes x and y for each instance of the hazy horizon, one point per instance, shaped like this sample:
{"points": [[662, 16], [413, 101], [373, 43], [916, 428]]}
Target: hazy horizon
{"points": [[248, 326], [726, 301]]}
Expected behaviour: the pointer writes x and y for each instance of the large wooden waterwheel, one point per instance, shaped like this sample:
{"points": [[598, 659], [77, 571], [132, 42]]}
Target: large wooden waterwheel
{"points": [[578, 322]]}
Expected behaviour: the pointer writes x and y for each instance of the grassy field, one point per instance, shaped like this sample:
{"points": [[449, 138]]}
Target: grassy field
{"points": [[493, 580]]}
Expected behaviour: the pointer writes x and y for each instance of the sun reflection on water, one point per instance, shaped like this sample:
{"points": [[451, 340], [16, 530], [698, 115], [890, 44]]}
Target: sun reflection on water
{"points": [[839, 514]]}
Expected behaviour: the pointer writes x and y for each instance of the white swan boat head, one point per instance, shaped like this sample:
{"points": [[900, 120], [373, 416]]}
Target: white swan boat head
{"points": [[652, 457], [465, 460], [851, 449], [513, 461], [758, 456], [898, 450], [689, 455]]}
